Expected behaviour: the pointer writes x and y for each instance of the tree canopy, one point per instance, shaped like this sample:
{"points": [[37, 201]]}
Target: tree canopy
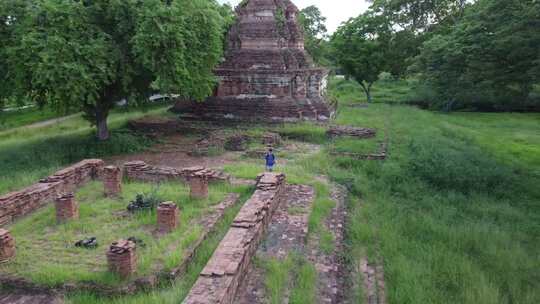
{"points": [[361, 47], [90, 54], [315, 34], [485, 63]]}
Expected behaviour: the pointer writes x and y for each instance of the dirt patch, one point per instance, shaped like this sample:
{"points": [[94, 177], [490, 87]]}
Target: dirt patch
{"points": [[175, 151]]}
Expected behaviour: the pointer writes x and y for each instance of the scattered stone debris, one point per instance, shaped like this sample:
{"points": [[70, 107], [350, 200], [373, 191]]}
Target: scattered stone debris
{"points": [[330, 265], [137, 241], [89, 243], [7, 246], [20, 298], [271, 139], [201, 148], [339, 131], [373, 278], [237, 143]]}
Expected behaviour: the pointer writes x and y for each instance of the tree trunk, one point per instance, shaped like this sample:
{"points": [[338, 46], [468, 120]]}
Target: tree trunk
{"points": [[102, 127], [367, 90]]}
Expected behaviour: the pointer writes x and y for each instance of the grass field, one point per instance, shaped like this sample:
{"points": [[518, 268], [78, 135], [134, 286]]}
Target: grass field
{"points": [[46, 253], [18, 118], [27, 155]]}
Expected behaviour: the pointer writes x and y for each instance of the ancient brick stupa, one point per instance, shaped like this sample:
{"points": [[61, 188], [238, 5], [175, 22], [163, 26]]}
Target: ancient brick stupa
{"points": [[267, 75]]}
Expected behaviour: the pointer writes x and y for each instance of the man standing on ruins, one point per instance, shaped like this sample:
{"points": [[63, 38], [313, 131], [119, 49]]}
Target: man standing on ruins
{"points": [[270, 160]]}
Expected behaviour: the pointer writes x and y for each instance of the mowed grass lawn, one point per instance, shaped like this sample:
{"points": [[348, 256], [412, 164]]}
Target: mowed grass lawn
{"points": [[46, 251]]}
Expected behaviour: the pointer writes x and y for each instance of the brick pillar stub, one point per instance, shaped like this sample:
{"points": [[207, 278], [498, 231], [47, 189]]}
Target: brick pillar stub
{"points": [[167, 217], [122, 258], [112, 181], [66, 208], [7, 246], [198, 186]]}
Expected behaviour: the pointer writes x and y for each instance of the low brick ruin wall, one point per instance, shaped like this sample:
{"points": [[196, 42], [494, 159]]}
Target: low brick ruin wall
{"points": [[141, 171], [19, 203], [219, 280]]}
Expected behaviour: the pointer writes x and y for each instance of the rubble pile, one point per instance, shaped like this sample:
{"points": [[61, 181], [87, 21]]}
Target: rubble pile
{"points": [[339, 131]]}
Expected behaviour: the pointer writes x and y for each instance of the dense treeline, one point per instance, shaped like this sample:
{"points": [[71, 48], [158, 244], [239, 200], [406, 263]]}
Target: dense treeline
{"points": [[88, 54], [475, 55]]}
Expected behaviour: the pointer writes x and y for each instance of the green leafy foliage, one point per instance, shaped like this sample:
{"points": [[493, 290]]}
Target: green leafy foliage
{"points": [[86, 55], [485, 63], [361, 46], [316, 35]]}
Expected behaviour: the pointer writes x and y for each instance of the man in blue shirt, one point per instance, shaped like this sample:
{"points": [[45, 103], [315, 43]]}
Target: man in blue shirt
{"points": [[270, 160]]}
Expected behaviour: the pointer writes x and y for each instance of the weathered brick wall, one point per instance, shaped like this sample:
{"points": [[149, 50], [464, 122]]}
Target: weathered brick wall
{"points": [[141, 171], [227, 267], [19, 203]]}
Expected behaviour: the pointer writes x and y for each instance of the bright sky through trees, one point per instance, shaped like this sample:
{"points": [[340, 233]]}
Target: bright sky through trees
{"points": [[337, 11]]}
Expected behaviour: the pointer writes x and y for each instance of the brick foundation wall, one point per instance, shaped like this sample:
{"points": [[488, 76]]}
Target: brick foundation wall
{"points": [[141, 171], [225, 270], [20, 203]]}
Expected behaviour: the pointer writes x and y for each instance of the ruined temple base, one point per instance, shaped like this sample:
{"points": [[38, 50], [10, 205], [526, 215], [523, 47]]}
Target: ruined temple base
{"points": [[255, 109]]}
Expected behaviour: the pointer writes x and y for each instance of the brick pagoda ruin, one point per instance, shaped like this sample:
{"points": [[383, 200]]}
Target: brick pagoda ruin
{"points": [[267, 75]]}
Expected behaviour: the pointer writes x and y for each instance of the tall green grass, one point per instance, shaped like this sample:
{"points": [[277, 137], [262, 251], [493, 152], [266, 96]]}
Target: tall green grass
{"points": [[27, 155]]}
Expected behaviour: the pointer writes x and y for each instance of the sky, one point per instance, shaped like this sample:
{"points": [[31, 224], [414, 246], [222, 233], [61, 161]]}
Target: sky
{"points": [[336, 11]]}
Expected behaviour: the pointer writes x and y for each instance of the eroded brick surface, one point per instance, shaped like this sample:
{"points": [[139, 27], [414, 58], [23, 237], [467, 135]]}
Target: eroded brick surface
{"points": [[16, 204], [66, 208], [141, 171], [7, 246], [112, 181], [198, 186], [219, 280], [122, 258], [337, 131], [267, 74], [167, 217]]}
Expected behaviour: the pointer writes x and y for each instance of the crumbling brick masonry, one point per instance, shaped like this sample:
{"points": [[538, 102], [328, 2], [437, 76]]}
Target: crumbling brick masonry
{"points": [[225, 270], [122, 258], [7, 246], [167, 217], [66, 208], [17, 204]]}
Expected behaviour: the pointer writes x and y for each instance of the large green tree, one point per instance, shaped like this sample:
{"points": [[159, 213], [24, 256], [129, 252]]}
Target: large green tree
{"points": [[361, 49], [420, 15], [88, 54], [489, 60], [315, 34]]}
